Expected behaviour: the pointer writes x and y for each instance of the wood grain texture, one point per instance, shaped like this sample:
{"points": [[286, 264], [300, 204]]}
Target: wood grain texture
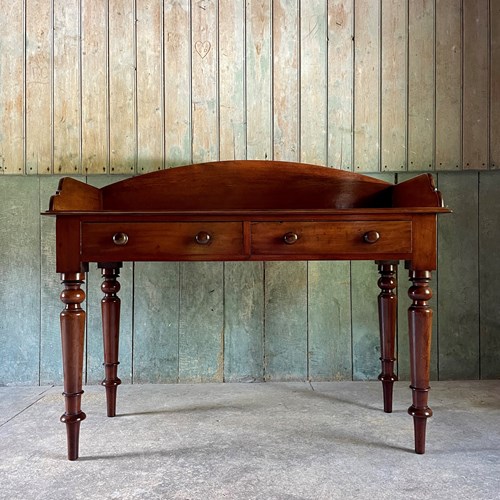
{"points": [[19, 247], [285, 321], [475, 85], [393, 85], [38, 141], [201, 323], [50, 288], [459, 305], [448, 84], [95, 104], [313, 82], [11, 93], [286, 77], [403, 346], [259, 79], [177, 84], [150, 78], [94, 358], [364, 315], [156, 322], [329, 321], [243, 321], [340, 78], [366, 86], [67, 93], [204, 51], [421, 86], [232, 134], [495, 85], [122, 88], [489, 222]]}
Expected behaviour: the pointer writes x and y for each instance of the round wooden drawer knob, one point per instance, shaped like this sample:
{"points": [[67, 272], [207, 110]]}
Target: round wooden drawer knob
{"points": [[290, 238], [203, 238], [371, 237], [120, 239]]}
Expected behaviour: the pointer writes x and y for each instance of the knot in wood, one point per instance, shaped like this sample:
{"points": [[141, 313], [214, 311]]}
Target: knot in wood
{"points": [[72, 294]]}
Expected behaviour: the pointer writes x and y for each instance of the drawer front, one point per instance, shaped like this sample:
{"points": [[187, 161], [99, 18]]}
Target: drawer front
{"points": [[326, 238], [160, 240]]}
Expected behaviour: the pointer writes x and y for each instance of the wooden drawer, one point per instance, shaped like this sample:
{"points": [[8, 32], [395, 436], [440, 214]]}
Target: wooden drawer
{"points": [[328, 238], [116, 241]]}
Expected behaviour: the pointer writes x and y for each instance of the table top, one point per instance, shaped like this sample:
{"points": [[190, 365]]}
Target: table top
{"points": [[246, 210]]}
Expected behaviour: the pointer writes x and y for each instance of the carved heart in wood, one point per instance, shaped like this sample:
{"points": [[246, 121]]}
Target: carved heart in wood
{"points": [[203, 48]]}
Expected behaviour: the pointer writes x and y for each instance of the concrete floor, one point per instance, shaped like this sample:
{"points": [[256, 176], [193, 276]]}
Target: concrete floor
{"points": [[249, 441]]}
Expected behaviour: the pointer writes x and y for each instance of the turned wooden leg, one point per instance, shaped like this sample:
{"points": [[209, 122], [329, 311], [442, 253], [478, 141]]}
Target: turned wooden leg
{"points": [[420, 330], [72, 337], [110, 307], [387, 310]]}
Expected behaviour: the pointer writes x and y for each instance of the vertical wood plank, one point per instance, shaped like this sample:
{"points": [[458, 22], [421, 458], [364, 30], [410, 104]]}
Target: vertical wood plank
{"points": [[393, 85], [495, 85], [38, 87], [232, 79], [290, 293], [259, 80], [122, 87], [204, 80], [94, 356], [19, 280], [448, 84], [329, 321], [177, 85], [156, 322], [313, 82], [201, 335], [67, 88], [11, 95], [95, 141], [489, 270], [366, 85], [457, 263], [243, 321], [286, 92], [286, 321], [150, 118], [421, 87], [340, 83], [475, 85], [365, 327]]}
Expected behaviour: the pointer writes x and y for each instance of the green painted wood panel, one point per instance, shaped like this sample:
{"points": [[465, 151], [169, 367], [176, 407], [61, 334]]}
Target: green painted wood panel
{"points": [[458, 300], [285, 321], [243, 321], [329, 321], [201, 322], [489, 273], [19, 281], [156, 322]]}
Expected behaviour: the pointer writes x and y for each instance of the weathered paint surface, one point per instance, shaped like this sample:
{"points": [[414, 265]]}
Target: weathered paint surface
{"points": [[389, 86]]}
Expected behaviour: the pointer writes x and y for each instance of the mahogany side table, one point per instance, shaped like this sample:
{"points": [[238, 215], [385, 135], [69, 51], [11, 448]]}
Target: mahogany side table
{"points": [[246, 210]]}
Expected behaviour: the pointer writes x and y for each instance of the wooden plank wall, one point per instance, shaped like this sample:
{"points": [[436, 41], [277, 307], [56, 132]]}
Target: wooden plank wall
{"points": [[123, 87]]}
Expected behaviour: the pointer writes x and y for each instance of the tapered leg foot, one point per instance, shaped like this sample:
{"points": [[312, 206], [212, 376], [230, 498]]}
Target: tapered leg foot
{"points": [[72, 337], [110, 307], [420, 331], [387, 309]]}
